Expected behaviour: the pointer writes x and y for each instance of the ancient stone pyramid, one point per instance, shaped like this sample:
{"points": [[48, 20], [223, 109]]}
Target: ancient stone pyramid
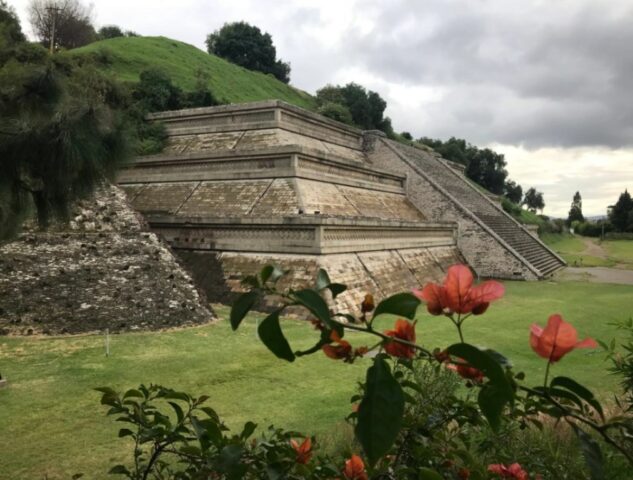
{"points": [[240, 186]]}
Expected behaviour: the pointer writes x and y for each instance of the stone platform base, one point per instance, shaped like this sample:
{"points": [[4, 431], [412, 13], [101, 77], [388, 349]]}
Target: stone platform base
{"points": [[381, 273]]}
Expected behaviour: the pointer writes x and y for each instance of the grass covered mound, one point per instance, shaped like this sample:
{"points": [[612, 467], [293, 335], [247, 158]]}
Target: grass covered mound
{"points": [[51, 380], [127, 57]]}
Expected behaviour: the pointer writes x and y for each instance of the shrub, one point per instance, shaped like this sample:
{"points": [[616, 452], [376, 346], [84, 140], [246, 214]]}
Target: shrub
{"points": [[413, 417], [337, 112]]}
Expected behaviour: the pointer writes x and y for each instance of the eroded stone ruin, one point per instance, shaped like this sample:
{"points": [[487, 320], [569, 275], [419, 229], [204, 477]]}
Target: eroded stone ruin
{"points": [[102, 270], [244, 185]]}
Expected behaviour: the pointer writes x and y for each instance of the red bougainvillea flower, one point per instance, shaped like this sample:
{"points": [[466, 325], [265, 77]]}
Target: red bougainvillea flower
{"points": [[403, 330], [557, 339], [354, 469], [341, 348], [303, 450], [458, 295], [368, 304], [513, 471], [463, 474], [466, 371]]}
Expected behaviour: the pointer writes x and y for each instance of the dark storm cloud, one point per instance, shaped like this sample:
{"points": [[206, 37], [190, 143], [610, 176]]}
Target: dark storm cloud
{"points": [[555, 74]]}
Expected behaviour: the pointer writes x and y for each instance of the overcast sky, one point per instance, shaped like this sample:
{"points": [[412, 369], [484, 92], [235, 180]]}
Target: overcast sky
{"points": [[547, 83]]}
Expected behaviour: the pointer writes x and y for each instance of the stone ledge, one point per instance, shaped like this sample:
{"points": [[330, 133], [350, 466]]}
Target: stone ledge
{"points": [[313, 236], [278, 162]]}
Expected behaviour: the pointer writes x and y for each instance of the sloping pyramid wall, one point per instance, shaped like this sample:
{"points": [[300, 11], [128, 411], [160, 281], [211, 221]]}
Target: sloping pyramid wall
{"points": [[243, 186]]}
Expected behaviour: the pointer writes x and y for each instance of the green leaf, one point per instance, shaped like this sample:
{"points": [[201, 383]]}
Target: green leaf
{"points": [[207, 431], [242, 306], [498, 392], [272, 273], [336, 289], [247, 431], [428, 474], [179, 413], [579, 390], [270, 333], [322, 280], [380, 412], [400, 304], [492, 400], [133, 393], [119, 470], [592, 453], [125, 432], [318, 307], [230, 462]]}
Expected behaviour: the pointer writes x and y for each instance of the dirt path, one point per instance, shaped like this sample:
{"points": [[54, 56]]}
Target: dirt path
{"points": [[592, 249], [598, 275]]}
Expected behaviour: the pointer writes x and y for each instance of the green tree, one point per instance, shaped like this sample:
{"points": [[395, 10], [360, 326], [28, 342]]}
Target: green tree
{"points": [[337, 112], [575, 212], [406, 136], [484, 166], [513, 192], [533, 200], [110, 31], [622, 213], [69, 22], [246, 45], [10, 29], [61, 133], [365, 107]]}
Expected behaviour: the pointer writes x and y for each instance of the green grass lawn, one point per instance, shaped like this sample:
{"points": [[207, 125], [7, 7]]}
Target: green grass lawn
{"points": [[52, 425], [620, 250], [229, 83], [570, 247]]}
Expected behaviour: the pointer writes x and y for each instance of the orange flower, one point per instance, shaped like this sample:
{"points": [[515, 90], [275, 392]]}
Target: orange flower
{"points": [[458, 295], [368, 303], [403, 330], [354, 469], [513, 471], [557, 339], [304, 451], [342, 349], [466, 371]]}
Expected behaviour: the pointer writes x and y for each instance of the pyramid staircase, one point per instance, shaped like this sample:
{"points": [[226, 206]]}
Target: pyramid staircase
{"points": [[534, 252]]}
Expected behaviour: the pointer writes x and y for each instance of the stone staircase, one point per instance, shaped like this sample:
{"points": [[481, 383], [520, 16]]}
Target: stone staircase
{"points": [[492, 216]]}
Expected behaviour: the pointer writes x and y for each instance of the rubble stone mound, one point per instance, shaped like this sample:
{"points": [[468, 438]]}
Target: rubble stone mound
{"points": [[99, 271]]}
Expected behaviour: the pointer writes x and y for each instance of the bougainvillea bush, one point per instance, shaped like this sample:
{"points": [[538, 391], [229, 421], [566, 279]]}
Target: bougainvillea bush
{"points": [[454, 412]]}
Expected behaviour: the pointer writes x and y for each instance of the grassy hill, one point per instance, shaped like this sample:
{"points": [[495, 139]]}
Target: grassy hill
{"points": [[229, 83]]}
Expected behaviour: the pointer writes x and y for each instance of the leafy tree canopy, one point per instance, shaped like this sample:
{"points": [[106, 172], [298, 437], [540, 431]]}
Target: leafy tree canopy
{"points": [[484, 166], [246, 45], [70, 20], [10, 29], [110, 31], [621, 215], [575, 212], [533, 200], [61, 132], [365, 106], [513, 192]]}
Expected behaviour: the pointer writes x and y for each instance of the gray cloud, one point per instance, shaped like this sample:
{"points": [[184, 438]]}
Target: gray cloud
{"points": [[547, 77]]}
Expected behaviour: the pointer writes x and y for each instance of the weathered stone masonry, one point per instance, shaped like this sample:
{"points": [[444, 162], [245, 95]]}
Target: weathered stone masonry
{"points": [[244, 185]]}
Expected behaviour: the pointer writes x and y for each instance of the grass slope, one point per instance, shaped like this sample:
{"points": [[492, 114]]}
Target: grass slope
{"points": [[53, 426], [229, 83]]}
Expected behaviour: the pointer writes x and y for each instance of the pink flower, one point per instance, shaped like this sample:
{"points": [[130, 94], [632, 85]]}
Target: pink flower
{"points": [[557, 339], [458, 295], [513, 471]]}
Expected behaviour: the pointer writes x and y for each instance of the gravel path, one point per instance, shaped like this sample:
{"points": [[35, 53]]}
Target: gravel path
{"points": [[598, 275]]}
